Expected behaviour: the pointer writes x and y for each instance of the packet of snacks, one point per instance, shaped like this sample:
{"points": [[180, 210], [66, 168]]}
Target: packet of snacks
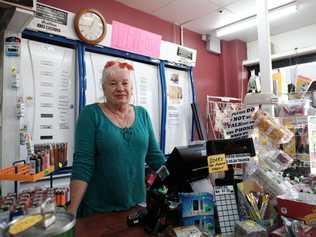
{"points": [[276, 133]]}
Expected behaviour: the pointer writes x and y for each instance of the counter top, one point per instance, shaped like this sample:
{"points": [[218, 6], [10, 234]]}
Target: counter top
{"points": [[108, 224]]}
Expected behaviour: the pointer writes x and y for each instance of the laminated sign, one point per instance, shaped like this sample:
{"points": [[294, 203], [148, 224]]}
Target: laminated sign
{"points": [[241, 123]]}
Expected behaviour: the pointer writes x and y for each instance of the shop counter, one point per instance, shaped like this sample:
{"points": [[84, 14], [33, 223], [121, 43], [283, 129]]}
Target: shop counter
{"points": [[108, 224]]}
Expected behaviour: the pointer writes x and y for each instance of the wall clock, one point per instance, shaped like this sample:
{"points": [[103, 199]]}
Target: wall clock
{"points": [[90, 26]]}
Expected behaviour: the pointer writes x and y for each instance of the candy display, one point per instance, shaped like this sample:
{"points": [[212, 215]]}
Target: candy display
{"points": [[29, 201]]}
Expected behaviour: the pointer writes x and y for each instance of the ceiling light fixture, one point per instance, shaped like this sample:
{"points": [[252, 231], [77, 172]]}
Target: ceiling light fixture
{"points": [[250, 22]]}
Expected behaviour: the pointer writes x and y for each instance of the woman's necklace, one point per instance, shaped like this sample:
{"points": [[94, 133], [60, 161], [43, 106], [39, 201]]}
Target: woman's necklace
{"points": [[122, 119]]}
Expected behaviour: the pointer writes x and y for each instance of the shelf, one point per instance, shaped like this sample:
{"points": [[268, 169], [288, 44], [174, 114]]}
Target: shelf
{"points": [[22, 173], [280, 56]]}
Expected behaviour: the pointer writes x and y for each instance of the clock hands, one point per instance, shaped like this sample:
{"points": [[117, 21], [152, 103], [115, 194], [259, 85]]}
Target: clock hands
{"points": [[90, 26]]}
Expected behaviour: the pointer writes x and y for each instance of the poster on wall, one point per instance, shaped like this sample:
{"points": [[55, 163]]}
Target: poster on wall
{"points": [[179, 113], [146, 86], [48, 91]]}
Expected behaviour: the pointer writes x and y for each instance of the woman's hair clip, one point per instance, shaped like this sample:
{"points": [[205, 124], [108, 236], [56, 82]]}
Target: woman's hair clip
{"points": [[120, 64]]}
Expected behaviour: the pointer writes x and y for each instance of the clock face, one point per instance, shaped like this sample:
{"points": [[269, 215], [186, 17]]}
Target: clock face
{"points": [[90, 26]]}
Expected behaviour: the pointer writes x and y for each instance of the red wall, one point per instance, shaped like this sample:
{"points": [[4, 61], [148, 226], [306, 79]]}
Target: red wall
{"points": [[209, 73], [233, 76]]}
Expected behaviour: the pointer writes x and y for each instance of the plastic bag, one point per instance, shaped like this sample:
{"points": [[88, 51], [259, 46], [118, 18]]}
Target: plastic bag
{"points": [[268, 126]]}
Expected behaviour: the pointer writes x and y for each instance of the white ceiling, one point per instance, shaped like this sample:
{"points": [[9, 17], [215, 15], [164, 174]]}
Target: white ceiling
{"points": [[204, 16]]}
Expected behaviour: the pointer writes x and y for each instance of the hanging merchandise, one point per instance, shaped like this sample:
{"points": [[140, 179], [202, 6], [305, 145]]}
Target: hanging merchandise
{"points": [[269, 127], [12, 46], [15, 77], [301, 84], [258, 82], [29, 101], [254, 85], [277, 80], [273, 158], [23, 132], [29, 145], [20, 107]]}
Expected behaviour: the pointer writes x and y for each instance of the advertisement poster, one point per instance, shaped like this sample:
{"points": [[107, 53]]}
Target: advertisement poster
{"points": [[48, 88], [179, 112]]}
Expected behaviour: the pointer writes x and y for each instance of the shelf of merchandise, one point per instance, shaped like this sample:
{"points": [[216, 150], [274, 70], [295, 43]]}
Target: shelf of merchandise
{"points": [[20, 172]]}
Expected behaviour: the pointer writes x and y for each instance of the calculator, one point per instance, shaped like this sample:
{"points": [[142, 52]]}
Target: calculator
{"points": [[227, 210]]}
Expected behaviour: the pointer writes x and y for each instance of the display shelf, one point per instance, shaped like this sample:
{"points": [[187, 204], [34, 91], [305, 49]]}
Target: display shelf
{"points": [[20, 172], [280, 56]]}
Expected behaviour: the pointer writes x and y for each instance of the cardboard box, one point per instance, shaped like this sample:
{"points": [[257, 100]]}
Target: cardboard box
{"points": [[302, 208], [196, 204], [204, 223]]}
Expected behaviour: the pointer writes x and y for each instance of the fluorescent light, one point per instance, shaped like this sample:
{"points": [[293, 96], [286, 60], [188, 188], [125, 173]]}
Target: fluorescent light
{"points": [[235, 27], [250, 22], [282, 12]]}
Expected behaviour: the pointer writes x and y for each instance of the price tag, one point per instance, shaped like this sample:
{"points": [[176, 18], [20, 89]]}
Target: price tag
{"points": [[217, 163]]}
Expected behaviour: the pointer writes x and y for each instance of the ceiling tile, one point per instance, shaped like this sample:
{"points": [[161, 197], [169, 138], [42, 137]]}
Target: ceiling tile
{"points": [[303, 17], [145, 5], [273, 3], [203, 16], [212, 21], [246, 8], [243, 8], [180, 11], [223, 3]]}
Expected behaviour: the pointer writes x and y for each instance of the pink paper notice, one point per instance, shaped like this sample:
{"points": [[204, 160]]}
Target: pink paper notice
{"points": [[135, 40]]}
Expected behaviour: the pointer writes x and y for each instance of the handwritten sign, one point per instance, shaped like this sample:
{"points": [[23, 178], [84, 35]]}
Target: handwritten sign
{"points": [[217, 163], [135, 40], [241, 123]]}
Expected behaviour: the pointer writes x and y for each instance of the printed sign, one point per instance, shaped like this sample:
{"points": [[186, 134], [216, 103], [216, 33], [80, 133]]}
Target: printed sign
{"points": [[241, 123], [237, 158], [51, 14], [53, 20], [217, 163], [178, 54], [135, 40]]}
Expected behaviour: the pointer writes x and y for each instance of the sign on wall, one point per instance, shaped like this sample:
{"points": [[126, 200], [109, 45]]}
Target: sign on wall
{"points": [[178, 53], [56, 21], [179, 112], [132, 39], [128, 38], [48, 92]]}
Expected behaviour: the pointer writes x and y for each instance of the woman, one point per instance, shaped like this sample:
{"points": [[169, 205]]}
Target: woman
{"points": [[113, 141]]}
